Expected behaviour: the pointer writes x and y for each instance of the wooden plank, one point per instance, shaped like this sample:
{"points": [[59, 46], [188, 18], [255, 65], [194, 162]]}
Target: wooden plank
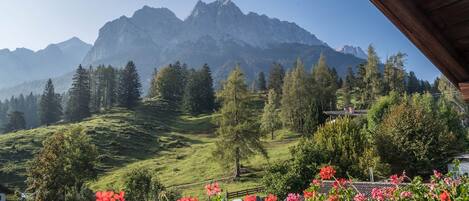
{"points": [[430, 5], [423, 33], [458, 31], [462, 44], [464, 87], [454, 13]]}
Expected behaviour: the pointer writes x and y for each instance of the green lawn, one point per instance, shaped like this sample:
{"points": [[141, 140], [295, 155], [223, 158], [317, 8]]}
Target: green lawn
{"points": [[178, 147]]}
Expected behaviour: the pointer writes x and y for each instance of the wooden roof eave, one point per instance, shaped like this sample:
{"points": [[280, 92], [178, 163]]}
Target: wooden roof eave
{"points": [[411, 21]]}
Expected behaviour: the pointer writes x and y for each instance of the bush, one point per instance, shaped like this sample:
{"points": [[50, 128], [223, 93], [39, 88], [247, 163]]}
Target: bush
{"points": [[419, 134], [143, 185]]}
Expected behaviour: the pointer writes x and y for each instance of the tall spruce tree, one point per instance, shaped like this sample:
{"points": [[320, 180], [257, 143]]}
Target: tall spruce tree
{"points": [[261, 85], [50, 110], [325, 85], [412, 83], [78, 106], [270, 116], [16, 121], [372, 78], [237, 133], [198, 95], [129, 86], [153, 91], [276, 76], [170, 83], [297, 98], [394, 73]]}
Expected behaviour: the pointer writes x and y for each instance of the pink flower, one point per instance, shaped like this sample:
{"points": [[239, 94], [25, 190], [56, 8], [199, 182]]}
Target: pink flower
{"points": [[377, 194], [188, 199], [307, 194], [327, 172], [444, 196], [437, 174], [395, 179], [316, 182], [406, 194], [359, 197], [339, 183], [212, 189], [293, 197]]}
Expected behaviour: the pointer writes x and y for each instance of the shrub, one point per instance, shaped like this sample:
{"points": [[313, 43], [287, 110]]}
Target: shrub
{"points": [[419, 135], [143, 185]]}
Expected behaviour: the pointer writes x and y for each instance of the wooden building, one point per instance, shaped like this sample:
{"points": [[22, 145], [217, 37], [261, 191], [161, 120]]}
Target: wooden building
{"points": [[440, 29]]}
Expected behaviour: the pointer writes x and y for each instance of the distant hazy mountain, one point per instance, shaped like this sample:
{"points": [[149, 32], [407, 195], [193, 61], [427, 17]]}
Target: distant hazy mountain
{"points": [[217, 33], [24, 65], [355, 51]]}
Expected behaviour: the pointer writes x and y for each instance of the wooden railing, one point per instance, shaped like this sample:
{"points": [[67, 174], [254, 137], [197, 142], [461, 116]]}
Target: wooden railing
{"points": [[241, 193]]}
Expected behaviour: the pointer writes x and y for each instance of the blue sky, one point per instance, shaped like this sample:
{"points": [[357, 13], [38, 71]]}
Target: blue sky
{"points": [[35, 24]]}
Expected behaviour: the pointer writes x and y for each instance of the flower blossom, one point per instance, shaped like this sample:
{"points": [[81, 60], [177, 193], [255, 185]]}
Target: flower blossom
{"points": [[188, 199], [444, 196], [293, 197], [377, 194], [359, 197], [327, 172], [406, 194], [307, 194], [212, 189], [250, 198], [339, 183], [271, 197], [437, 174]]}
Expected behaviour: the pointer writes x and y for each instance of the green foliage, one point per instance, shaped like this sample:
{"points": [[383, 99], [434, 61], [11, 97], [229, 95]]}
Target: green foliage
{"points": [[129, 86], [238, 136], [270, 117], [199, 95], [68, 159], [143, 185], [372, 78], [169, 83], [380, 108], [325, 85], [419, 134], [104, 85], [79, 193], [276, 76], [261, 85], [50, 109], [394, 73], [78, 106], [15, 122]]}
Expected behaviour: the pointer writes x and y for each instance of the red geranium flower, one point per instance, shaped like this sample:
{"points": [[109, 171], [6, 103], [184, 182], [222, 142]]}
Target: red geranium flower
{"points": [[444, 196], [212, 189], [188, 199], [333, 198], [271, 197], [327, 172], [307, 194], [339, 183], [250, 198], [359, 197]]}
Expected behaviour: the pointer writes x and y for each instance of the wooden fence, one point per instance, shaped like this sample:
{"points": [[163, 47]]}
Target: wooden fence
{"points": [[241, 193]]}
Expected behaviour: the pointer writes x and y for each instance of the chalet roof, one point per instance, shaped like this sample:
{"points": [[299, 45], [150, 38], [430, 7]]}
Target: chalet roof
{"points": [[440, 29], [362, 187]]}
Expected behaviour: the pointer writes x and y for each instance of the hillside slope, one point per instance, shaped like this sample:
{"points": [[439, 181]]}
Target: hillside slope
{"points": [[178, 147]]}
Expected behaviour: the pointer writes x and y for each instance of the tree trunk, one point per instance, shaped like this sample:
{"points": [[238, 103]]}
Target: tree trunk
{"points": [[237, 171], [272, 134]]}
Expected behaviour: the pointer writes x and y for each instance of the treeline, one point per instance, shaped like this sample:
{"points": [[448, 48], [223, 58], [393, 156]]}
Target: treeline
{"points": [[98, 89]]}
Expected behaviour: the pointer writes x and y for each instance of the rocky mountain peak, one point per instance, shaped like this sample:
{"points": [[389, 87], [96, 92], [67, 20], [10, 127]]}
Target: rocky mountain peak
{"points": [[353, 50]]}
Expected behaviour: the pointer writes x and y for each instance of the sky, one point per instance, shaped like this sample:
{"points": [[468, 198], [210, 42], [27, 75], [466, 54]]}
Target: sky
{"points": [[34, 24]]}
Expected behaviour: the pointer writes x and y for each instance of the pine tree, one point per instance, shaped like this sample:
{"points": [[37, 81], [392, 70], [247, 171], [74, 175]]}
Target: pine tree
{"points": [[270, 117], [394, 73], [296, 99], [206, 88], [276, 76], [412, 83], [170, 83], [347, 87], [129, 86], [31, 111], [237, 134], [78, 106], [50, 110], [325, 83], [153, 91], [16, 122], [261, 85], [372, 78], [198, 95]]}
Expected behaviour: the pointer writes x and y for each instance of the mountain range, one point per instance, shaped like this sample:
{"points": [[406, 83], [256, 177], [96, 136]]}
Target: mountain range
{"points": [[216, 33]]}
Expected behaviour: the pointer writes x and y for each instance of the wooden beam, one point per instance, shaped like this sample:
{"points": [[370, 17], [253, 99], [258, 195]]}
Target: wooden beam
{"points": [[464, 88], [406, 16]]}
